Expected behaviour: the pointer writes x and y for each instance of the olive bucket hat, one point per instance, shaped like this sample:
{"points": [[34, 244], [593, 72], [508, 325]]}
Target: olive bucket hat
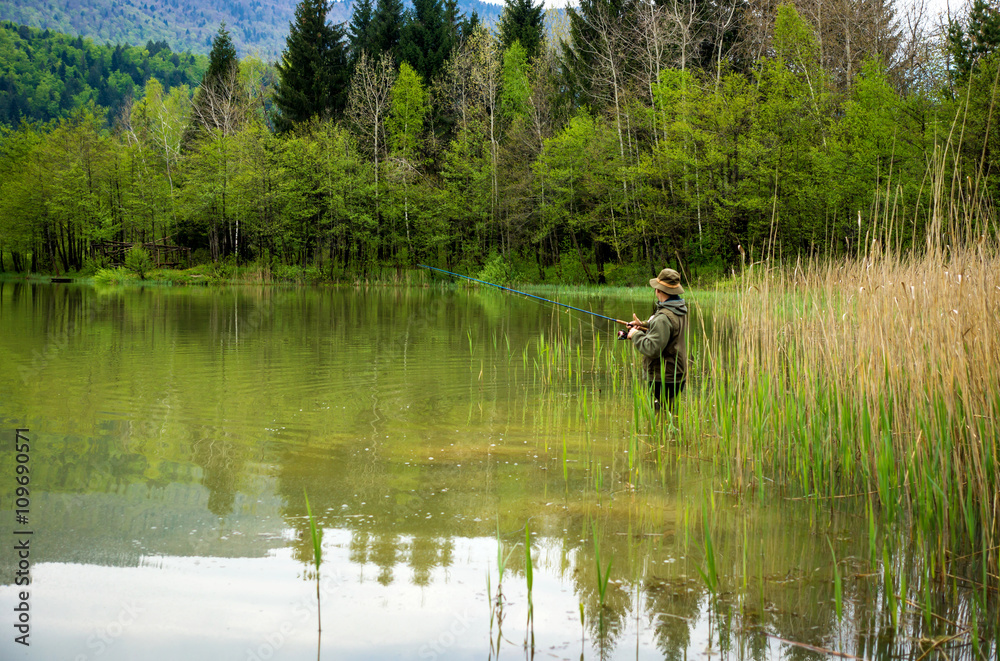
{"points": [[668, 281]]}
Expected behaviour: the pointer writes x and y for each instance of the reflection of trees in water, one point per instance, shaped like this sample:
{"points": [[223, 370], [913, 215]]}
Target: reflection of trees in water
{"points": [[673, 605], [426, 553], [388, 551], [223, 463]]}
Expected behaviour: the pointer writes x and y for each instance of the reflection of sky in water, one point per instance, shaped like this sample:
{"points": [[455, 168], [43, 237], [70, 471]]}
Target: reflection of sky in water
{"points": [[231, 608]]}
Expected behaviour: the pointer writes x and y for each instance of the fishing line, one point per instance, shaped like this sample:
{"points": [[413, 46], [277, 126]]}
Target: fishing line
{"points": [[514, 291]]}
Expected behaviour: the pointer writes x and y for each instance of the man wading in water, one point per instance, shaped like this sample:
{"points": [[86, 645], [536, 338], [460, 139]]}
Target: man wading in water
{"points": [[663, 343]]}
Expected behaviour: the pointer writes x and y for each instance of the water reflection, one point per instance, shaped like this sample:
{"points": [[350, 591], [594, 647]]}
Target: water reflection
{"points": [[176, 430]]}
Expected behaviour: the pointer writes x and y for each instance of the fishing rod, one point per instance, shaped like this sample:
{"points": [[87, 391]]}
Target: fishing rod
{"points": [[514, 291]]}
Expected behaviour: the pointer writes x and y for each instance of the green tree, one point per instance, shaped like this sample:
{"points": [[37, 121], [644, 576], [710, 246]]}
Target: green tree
{"points": [[516, 87], [387, 28], [523, 21], [313, 74], [138, 261], [976, 40], [407, 111], [427, 38], [152, 130], [21, 193], [405, 124], [360, 31], [779, 193], [579, 168]]}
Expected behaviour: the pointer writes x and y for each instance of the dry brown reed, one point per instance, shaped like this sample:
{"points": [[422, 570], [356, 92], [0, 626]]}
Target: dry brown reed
{"points": [[876, 374]]}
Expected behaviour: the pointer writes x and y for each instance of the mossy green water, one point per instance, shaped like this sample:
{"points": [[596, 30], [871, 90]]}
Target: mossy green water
{"points": [[177, 430]]}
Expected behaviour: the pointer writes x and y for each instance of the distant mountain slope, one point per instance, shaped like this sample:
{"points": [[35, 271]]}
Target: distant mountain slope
{"points": [[47, 75], [257, 26]]}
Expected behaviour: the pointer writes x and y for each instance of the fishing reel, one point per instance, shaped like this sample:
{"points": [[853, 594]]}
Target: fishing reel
{"points": [[623, 334]]}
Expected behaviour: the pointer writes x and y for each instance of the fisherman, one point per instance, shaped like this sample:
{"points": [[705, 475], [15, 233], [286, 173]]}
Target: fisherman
{"points": [[662, 339]]}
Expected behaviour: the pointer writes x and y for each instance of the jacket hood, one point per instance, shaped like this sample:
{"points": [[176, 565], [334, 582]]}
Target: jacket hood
{"points": [[678, 306]]}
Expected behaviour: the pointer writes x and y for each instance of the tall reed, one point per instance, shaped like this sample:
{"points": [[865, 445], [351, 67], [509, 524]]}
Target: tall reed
{"points": [[874, 376]]}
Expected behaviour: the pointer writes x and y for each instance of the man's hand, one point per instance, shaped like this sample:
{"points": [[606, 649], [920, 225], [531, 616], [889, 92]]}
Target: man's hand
{"points": [[634, 326]]}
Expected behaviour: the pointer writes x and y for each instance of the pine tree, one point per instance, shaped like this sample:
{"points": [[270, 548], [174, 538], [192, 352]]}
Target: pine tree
{"points": [[359, 32], [427, 38], [976, 40], [387, 25], [313, 73], [222, 60], [522, 21]]}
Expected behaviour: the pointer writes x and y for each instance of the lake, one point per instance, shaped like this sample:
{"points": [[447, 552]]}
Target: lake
{"points": [[174, 432]]}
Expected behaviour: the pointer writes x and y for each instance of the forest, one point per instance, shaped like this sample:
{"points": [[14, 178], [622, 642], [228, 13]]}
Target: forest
{"points": [[257, 28], [590, 146], [47, 75]]}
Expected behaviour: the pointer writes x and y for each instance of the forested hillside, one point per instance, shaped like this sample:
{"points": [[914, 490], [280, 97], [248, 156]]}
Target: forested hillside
{"points": [[258, 27], [632, 138], [47, 75]]}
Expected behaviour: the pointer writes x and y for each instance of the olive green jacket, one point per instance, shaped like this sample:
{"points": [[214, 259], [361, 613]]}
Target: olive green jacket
{"points": [[664, 345]]}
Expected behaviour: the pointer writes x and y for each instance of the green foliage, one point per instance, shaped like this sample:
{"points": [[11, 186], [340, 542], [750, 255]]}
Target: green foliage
{"points": [[49, 76], [496, 163], [523, 22], [516, 87], [498, 271], [138, 261], [406, 116], [113, 276], [975, 39], [313, 73]]}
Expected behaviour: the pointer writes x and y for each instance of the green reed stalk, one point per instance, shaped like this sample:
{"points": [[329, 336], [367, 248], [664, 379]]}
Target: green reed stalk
{"points": [[710, 573], [530, 580], [317, 558], [602, 579], [838, 598]]}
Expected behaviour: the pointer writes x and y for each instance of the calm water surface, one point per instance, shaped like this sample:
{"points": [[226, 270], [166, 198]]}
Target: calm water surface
{"points": [[174, 432]]}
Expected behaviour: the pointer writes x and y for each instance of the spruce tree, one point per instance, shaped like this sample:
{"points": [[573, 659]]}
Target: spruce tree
{"points": [[387, 26], [976, 40], [222, 60], [313, 73], [359, 32], [523, 21], [427, 38]]}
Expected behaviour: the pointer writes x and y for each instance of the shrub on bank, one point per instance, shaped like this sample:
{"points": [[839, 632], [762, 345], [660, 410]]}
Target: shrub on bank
{"points": [[113, 276]]}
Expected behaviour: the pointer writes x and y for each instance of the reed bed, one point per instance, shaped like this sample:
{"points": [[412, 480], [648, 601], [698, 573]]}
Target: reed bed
{"points": [[870, 381], [876, 376]]}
